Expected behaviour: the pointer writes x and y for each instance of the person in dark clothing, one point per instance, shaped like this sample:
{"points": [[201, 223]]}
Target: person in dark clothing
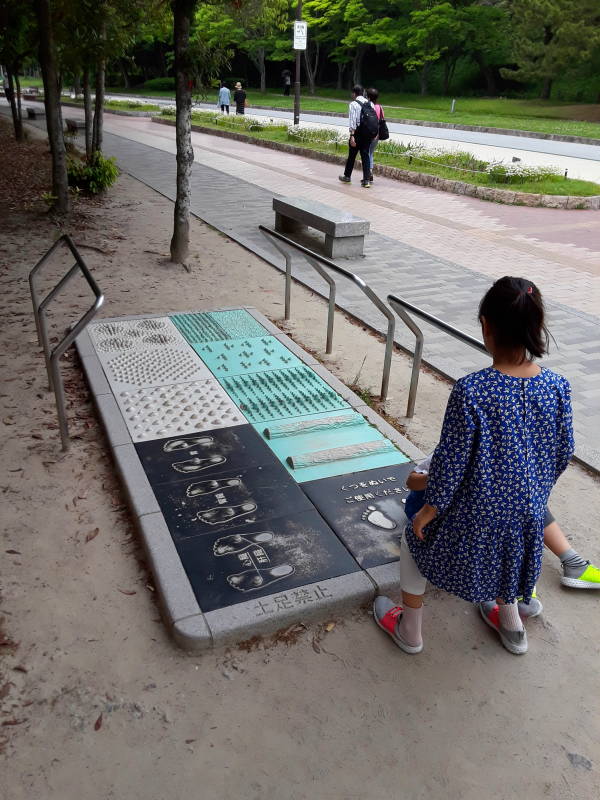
{"points": [[239, 98], [360, 140], [286, 80]]}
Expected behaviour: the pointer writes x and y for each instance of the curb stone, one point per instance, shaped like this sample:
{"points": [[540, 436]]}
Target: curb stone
{"points": [[489, 193]]}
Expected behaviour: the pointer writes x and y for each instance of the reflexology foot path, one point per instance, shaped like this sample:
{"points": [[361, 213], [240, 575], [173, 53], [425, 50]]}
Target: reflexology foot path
{"points": [[265, 491]]}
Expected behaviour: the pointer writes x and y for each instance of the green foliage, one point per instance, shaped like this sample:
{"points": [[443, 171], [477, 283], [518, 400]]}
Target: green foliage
{"points": [[93, 176], [159, 85]]}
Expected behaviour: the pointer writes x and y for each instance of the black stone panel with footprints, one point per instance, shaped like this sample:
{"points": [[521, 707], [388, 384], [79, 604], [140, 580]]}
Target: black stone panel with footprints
{"points": [[366, 510], [272, 557]]}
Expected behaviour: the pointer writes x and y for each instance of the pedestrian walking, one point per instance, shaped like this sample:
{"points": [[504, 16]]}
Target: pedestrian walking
{"points": [[224, 98], [506, 438], [373, 96], [239, 97], [364, 126], [286, 80]]}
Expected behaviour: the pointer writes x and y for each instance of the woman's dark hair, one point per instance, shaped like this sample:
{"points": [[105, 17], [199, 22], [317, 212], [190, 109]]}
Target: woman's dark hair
{"points": [[372, 94], [514, 310], [357, 90]]}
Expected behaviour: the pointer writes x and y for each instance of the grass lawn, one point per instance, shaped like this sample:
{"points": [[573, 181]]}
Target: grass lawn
{"points": [[418, 162], [529, 115]]}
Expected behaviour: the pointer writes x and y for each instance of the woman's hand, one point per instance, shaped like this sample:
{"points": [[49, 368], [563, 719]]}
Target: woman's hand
{"points": [[426, 515]]}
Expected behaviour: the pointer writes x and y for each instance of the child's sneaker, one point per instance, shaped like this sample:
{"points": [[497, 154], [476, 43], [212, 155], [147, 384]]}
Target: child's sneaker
{"points": [[387, 616], [514, 641], [531, 609], [589, 578]]}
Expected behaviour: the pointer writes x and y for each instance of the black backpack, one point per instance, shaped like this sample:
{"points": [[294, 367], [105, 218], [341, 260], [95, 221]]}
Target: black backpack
{"points": [[368, 127]]}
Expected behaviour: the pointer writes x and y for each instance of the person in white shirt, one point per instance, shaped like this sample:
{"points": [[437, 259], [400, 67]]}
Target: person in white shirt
{"points": [[360, 137]]}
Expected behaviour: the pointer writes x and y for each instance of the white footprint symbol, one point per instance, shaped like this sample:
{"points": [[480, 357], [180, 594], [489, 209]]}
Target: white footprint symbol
{"points": [[378, 518]]}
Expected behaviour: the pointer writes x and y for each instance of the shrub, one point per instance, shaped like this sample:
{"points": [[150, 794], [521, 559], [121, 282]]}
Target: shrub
{"points": [[93, 176], [160, 84], [514, 174]]}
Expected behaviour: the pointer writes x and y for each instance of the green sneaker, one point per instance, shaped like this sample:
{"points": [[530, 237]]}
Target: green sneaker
{"points": [[589, 579]]}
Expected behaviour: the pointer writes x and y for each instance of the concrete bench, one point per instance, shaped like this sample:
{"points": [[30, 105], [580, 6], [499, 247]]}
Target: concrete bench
{"points": [[344, 233], [74, 125], [36, 113]]}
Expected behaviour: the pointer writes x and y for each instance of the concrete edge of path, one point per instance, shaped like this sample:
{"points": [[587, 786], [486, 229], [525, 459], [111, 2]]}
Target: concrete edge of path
{"points": [[191, 628], [505, 196]]}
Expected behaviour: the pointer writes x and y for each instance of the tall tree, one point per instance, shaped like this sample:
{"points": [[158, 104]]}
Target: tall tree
{"points": [[550, 37], [197, 63], [17, 43], [52, 87]]}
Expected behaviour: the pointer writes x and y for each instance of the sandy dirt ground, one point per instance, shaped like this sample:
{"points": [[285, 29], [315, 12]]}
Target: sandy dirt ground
{"points": [[97, 703]]}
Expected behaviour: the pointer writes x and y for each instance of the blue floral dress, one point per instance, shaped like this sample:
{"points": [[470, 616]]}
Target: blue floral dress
{"points": [[504, 442]]}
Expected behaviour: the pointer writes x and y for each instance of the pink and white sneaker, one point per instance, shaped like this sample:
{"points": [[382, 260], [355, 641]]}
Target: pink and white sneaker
{"points": [[387, 616]]}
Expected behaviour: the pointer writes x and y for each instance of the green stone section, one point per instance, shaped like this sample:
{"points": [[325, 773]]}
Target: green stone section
{"points": [[244, 356], [282, 393], [198, 328], [238, 324]]}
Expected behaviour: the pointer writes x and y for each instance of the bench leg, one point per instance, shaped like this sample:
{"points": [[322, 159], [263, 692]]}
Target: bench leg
{"points": [[344, 246], [286, 225]]}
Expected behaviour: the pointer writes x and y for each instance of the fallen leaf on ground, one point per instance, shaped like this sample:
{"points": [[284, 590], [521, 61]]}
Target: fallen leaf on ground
{"points": [[126, 591], [14, 721], [330, 626], [315, 646], [92, 535], [98, 723], [13, 552]]}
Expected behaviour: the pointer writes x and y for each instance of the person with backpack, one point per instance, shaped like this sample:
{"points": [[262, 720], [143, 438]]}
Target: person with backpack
{"points": [[364, 127], [382, 132]]}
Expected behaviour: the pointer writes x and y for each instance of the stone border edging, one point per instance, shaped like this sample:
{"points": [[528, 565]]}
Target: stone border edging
{"points": [[554, 137], [505, 196]]}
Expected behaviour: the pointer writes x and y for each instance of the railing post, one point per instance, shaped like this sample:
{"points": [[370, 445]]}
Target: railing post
{"points": [[52, 357], [331, 301]]}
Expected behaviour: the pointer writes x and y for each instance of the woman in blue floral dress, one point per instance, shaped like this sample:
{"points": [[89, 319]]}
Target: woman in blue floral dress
{"points": [[506, 438]]}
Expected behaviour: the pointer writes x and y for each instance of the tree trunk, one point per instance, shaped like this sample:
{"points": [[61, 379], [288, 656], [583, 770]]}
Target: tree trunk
{"points": [[47, 58], [423, 77], [357, 63], [87, 110], [124, 73], [341, 68], [546, 89], [183, 11], [10, 96], [77, 85], [488, 74], [311, 68], [18, 87], [98, 126]]}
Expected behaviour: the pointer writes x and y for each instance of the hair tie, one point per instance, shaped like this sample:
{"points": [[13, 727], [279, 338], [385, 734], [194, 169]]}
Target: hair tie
{"points": [[530, 290]]}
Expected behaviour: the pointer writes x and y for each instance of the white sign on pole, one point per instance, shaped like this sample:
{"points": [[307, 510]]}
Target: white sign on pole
{"points": [[300, 35]]}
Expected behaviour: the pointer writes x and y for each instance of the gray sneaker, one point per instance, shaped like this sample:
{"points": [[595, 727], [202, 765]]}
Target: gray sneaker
{"points": [[514, 641], [344, 179]]}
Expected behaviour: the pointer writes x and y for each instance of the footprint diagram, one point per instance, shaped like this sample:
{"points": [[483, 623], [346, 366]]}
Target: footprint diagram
{"points": [[250, 551], [378, 518]]}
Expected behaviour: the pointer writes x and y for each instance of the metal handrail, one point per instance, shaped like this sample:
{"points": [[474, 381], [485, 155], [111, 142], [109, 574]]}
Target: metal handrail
{"points": [[317, 262], [400, 307], [39, 312]]}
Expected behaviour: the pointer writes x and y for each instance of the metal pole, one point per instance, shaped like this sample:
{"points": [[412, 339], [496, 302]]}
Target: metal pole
{"points": [[297, 81], [330, 303]]}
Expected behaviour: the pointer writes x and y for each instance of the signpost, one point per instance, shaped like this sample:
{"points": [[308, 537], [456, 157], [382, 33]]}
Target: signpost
{"points": [[300, 36]]}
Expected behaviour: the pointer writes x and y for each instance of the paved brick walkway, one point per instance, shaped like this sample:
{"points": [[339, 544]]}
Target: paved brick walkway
{"points": [[438, 251]]}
